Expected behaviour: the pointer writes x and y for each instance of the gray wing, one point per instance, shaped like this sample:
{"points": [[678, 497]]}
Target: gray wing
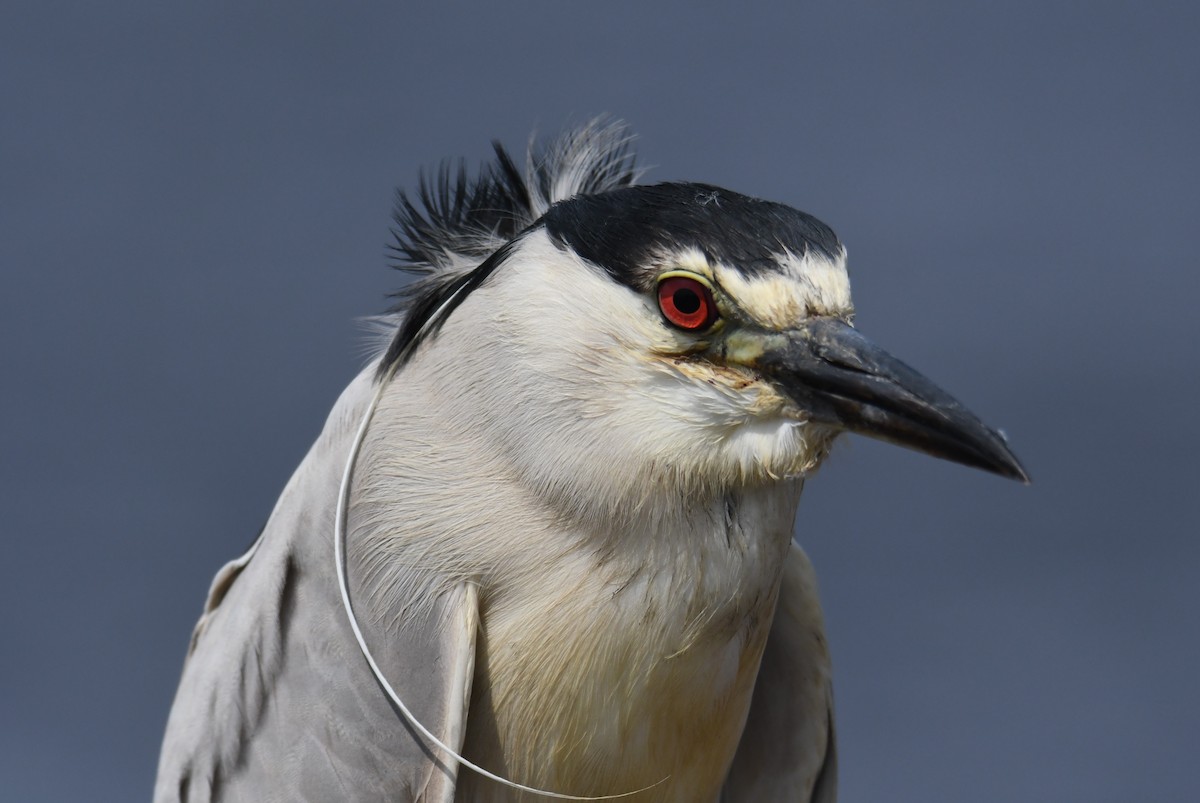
{"points": [[787, 751], [277, 702]]}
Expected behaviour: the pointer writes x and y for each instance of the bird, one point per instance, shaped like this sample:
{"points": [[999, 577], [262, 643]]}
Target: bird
{"points": [[543, 547]]}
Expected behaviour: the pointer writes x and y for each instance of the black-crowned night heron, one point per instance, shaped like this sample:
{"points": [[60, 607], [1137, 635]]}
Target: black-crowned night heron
{"points": [[547, 534]]}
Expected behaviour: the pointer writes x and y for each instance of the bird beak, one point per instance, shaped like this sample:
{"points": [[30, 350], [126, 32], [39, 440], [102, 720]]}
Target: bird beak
{"points": [[841, 378]]}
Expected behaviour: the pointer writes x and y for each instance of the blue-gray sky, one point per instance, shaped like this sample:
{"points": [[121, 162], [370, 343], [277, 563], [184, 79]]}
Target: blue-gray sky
{"points": [[194, 202]]}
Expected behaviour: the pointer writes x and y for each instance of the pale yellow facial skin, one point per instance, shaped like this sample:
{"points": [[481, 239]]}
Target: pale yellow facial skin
{"points": [[805, 287], [756, 312]]}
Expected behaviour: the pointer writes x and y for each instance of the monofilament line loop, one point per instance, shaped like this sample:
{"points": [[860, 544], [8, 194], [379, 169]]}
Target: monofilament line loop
{"points": [[339, 559]]}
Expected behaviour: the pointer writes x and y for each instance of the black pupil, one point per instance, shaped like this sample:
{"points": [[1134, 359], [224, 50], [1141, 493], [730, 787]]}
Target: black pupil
{"points": [[686, 301]]}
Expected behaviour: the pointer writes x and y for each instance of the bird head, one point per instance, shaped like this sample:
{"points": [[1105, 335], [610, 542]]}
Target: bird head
{"points": [[675, 334]]}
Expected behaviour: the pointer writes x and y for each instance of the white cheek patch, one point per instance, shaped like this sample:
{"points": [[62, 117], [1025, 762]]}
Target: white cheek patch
{"points": [[807, 285]]}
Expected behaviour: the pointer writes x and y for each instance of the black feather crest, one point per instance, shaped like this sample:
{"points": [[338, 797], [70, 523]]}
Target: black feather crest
{"points": [[454, 214], [456, 218], [450, 234]]}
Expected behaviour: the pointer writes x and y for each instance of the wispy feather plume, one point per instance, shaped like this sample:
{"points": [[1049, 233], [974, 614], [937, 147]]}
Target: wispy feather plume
{"points": [[449, 235], [455, 221]]}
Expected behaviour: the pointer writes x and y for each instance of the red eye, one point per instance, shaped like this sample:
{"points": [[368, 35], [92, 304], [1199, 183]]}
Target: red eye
{"points": [[687, 303]]}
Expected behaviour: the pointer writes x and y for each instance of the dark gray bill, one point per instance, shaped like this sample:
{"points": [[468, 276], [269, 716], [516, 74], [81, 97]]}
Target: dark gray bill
{"points": [[844, 379]]}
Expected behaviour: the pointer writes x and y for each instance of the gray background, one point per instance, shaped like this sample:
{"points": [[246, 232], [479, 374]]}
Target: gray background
{"points": [[194, 204]]}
